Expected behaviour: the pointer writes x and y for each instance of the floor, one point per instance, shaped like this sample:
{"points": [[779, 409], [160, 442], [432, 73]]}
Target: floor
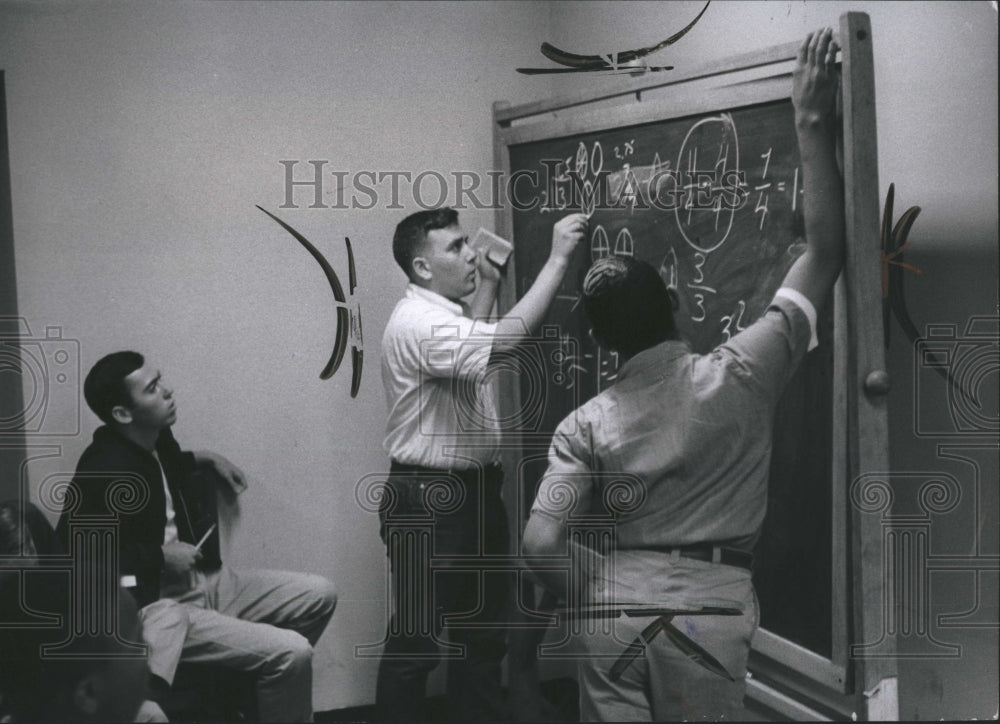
{"points": [[560, 693]]}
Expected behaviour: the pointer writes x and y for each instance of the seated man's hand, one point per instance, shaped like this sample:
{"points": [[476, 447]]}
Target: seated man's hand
{"points": [[235, 478], [179, 558], [231, 474]]}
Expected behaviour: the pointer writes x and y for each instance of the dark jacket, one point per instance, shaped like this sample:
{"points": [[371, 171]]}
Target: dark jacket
{"points": [[120, 480]]}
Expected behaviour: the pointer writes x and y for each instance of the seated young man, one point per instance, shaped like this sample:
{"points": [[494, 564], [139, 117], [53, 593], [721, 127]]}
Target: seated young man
{"points": [[193, 607], [695, 432]]}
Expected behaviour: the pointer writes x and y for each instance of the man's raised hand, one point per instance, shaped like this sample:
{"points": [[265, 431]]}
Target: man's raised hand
{"points": [[814, 80], [566, 234]]}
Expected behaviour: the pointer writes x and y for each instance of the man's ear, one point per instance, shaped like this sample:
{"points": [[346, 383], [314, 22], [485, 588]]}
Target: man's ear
{"points": [[421, 268], [87, 695], [121, 414], [675, 299]]}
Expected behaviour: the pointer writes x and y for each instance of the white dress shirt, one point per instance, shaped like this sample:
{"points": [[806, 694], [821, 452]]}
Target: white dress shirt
{"points": [[440, 395]]}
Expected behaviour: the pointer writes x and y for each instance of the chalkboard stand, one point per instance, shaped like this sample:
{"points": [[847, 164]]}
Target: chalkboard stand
{"points": [[789, 680], [867, 415]]}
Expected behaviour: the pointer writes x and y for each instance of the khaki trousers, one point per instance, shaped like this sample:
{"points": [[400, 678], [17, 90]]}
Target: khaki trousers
{"points": [[259, 621], [663, 684]]}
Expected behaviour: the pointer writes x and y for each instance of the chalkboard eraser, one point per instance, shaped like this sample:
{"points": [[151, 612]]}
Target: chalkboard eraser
{"points": [[496, 248]]}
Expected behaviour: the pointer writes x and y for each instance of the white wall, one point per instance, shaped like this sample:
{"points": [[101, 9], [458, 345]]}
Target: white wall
{"points": [[142, 135], [935, 84]]}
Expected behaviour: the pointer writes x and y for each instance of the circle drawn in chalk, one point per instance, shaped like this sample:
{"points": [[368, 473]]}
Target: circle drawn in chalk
{"points": [[706, 219]]}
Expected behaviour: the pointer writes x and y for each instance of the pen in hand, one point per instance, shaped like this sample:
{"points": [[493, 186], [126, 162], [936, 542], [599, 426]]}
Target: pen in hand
{"points": [[205, 537]]}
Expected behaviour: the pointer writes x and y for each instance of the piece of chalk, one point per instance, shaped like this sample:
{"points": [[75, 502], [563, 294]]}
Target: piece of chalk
{"points": [[205, 537]]}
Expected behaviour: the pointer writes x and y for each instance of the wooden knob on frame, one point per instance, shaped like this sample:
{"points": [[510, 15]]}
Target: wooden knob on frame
{"points": [[877, 382]]}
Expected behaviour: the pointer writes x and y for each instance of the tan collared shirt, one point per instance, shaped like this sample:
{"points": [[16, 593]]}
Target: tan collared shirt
{"points": [[686, 438], [441, 400]]}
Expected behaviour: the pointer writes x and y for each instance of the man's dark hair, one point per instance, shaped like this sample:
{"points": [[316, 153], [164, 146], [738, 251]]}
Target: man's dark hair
{"points": [[627, 304], [411, 232], [105, 385], [26, 532]]}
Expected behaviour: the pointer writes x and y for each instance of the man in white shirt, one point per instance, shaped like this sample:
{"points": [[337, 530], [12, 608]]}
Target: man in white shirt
{"points": [[443, 438]]}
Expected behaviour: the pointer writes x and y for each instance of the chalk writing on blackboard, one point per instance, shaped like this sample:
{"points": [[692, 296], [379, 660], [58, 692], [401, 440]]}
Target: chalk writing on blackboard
{"points": [[713, 202], [710, 201], [582, 182]]}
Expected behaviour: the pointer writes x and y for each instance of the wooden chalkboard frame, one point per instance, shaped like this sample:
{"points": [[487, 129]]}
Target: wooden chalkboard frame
{"points": [[786, 679], [11, 400]]}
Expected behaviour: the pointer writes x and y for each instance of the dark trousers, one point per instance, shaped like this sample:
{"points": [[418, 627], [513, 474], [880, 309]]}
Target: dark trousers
{"points": [[431, 521]]}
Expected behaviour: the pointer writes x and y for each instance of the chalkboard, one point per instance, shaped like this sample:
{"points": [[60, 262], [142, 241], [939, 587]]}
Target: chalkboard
{"points": [[821, 570], [714, 202]]}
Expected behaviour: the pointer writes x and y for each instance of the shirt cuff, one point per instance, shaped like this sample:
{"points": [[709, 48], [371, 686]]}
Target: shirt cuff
{"points": [[802, 302]]}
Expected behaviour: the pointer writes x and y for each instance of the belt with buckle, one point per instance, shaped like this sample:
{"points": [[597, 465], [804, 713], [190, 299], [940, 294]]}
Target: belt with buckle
{"points": [[715, 554]]}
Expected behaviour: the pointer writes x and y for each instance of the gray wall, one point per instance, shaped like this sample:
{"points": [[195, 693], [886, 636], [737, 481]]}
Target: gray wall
{"points": [[142, 135]]}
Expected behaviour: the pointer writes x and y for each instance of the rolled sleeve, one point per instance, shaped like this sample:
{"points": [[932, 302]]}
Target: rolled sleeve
{"points": [[567, 484], [767, 352], [802, 302]]}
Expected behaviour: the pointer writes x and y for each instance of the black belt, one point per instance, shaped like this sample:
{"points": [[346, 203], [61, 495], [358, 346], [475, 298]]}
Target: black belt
{"points": [[714, 554], [491, 474]]}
